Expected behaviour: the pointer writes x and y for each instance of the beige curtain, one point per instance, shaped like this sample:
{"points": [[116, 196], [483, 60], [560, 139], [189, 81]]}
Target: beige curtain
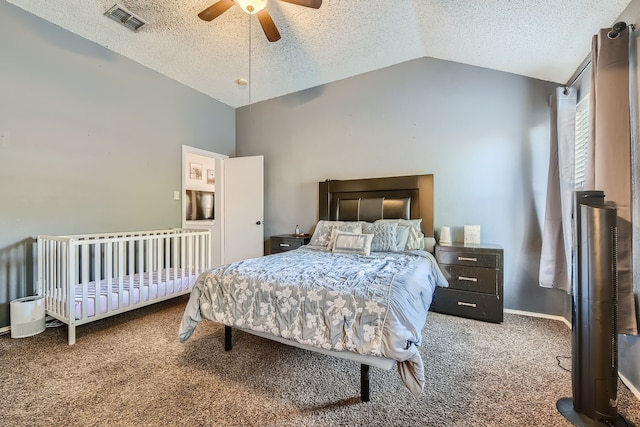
{"points": [[555, 257], [635, 169], [609, 160]]}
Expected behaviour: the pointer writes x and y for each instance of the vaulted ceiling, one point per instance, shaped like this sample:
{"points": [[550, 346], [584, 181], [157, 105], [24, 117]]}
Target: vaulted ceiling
{"points": [[543, 39]]}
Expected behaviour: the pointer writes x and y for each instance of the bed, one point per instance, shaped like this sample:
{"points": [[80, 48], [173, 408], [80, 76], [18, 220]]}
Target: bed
{"points": [[360, 290], [92, 276]]}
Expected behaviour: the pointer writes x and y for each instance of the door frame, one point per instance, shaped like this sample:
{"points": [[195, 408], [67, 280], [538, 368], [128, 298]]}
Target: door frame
{"points": [[216, 226]]}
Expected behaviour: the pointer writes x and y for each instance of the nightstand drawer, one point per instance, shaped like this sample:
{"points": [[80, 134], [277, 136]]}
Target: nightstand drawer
{"points": [[469, 304], [483, 280], [487, 260], [285, 245], [286, 242]]}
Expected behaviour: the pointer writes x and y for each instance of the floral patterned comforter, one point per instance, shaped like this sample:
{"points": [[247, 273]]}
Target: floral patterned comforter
{"points": [[374, 305]]}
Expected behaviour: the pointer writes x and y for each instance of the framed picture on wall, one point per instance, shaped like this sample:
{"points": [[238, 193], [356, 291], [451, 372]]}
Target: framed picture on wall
{"points": [[211, 176], [195, 170]]}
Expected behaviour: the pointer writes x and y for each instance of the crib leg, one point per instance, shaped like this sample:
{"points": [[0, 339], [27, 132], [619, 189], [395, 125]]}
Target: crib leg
{"points": [[228, 345], [365, 377], [71, 334]]}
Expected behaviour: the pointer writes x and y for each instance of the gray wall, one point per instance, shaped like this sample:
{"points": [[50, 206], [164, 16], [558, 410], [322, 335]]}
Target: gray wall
{"points": [[89, 142], [483, 134]]}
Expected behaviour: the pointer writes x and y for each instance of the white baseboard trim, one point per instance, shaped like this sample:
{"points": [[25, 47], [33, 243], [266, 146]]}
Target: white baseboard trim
{"points": [[624, 380], [5, 330], [630, 386], [541, 315]]}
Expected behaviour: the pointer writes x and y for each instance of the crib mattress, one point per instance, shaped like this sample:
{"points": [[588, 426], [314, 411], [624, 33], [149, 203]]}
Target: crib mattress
{"points": [[137, 289]]}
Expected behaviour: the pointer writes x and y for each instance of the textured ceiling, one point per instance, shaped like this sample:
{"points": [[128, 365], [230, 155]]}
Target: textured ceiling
{"points": [[543, 39]]}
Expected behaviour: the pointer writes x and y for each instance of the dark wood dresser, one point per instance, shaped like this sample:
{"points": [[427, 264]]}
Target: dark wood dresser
{"points": [[475, 275], [287, 242]]}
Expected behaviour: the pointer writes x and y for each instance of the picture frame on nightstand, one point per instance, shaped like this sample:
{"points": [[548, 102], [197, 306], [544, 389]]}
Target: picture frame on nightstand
{"points": [[471, 234]]}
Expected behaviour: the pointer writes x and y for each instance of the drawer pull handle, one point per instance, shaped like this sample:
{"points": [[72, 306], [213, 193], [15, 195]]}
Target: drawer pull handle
{"points": [[464, 258], [467, 304], [468, 279], [284, 245]]}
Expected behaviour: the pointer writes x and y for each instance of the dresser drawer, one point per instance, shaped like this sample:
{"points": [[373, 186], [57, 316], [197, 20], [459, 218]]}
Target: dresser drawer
{"points": [[487, 260], [469, 304], [474, 279]]}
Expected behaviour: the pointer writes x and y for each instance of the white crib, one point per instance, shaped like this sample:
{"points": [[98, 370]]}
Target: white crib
{"points": [[93, 276]]}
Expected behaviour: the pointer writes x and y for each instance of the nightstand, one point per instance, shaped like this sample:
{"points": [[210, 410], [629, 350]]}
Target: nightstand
{"points": [[287, 242], [475, 275]]}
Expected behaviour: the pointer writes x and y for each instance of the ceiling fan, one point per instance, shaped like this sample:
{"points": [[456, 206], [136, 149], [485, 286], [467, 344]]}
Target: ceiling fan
{"points": [[254, 7]]}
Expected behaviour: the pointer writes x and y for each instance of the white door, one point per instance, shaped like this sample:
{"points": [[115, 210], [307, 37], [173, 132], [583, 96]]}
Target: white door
{"points": [[243, 208]]}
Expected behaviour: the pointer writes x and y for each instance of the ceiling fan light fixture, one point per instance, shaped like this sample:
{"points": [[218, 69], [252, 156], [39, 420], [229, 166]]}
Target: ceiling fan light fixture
{"points": [[252, 6]]}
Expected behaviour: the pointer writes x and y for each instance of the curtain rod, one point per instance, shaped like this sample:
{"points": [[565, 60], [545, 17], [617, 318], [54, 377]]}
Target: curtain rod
{"points": [[581, 69], [587, 61]]}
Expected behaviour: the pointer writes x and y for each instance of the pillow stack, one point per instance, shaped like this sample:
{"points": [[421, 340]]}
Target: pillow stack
{"points": [[384, 235]]}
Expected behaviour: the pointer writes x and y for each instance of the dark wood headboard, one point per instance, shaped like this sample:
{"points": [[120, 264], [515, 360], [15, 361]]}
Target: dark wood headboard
{"points": [[408, 197]]}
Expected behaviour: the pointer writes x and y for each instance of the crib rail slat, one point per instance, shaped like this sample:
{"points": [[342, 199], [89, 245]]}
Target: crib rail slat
{"points": [[141, 248], [159, 264], [131, 268], [171, 259], [108, 272], [167, 263], [120, 249]]}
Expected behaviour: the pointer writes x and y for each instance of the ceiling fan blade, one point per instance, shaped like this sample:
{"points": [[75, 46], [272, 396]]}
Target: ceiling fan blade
{"points": [[215, 10], [306, 3], [268, 26]]}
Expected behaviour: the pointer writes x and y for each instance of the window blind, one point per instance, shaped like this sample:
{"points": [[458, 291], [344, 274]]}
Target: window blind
{"points": [[582, 141]]}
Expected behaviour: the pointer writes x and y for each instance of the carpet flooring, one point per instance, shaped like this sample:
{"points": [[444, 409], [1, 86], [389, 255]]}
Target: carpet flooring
{"points": [[131, 370]]}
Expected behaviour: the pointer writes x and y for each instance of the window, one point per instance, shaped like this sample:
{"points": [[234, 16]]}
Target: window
{"points": [[582, 140]]}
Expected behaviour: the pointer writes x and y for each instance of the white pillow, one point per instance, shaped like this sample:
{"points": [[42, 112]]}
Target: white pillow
{"points": [[402, 237], [352, 243], [429, 244]]}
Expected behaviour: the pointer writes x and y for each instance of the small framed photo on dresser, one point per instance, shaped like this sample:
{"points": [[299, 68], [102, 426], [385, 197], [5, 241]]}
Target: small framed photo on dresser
{"points": [[471, 234]]}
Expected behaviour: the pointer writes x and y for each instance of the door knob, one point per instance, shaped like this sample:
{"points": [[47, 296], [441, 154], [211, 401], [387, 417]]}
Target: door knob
{"points": [[258, 222]]}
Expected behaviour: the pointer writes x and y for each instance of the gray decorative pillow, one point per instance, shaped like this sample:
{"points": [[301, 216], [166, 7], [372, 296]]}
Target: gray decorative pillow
{"points": [[352, 243], [322, 233], [415, 233], [385, 235]]}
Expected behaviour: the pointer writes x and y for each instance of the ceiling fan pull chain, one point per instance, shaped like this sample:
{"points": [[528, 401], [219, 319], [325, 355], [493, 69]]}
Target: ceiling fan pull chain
{"points": [[250, 54]]}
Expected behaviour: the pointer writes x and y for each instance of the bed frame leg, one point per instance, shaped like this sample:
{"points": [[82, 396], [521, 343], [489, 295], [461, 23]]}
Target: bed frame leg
{"points": [[365, 377], [228, 345]]}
